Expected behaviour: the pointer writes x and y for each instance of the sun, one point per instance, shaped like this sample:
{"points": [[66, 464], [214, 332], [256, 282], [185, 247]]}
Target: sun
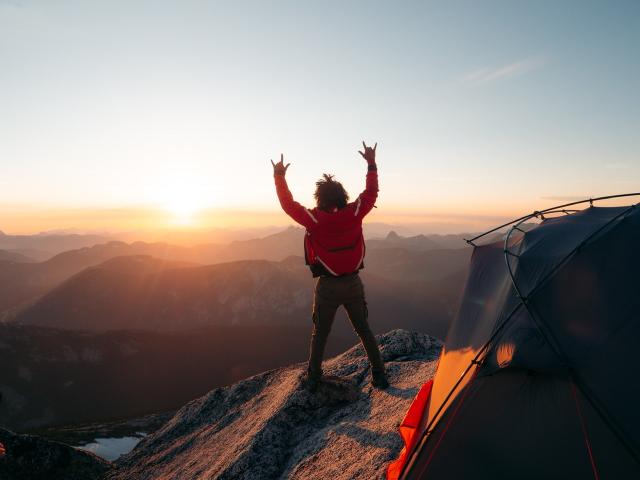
{"points": [[183, 209], [183, 199]]}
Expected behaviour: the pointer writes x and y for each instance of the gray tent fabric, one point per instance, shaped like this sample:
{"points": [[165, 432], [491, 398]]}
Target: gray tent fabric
{"points": [[538, 375]]}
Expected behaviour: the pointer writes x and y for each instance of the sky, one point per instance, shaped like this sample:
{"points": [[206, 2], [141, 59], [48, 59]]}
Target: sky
{"points": [[122, 113]]}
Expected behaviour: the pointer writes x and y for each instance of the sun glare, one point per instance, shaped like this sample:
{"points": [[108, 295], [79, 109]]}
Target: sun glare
{"points": [[183, 199], [183, 210]]}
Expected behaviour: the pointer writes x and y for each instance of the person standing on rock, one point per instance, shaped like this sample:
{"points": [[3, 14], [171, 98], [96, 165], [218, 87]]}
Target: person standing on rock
{"points": [[334, 251]]}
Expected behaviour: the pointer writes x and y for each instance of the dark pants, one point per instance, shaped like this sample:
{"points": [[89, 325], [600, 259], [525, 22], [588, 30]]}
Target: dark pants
{"points": [[330, 293]]}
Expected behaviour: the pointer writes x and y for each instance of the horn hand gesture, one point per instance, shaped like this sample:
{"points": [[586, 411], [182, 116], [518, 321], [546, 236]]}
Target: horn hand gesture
{"points": [[280, 168], [369, 153]]}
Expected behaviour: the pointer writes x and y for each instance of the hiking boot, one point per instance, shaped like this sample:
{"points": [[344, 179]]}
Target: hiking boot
{"points": [[379, 381], [311, 382]]}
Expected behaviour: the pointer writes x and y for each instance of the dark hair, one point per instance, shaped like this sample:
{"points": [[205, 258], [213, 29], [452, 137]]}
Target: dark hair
{"points": [[330, 194]]}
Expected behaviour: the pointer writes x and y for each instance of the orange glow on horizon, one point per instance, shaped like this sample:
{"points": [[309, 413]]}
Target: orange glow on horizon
{"points": [[187, 212]]}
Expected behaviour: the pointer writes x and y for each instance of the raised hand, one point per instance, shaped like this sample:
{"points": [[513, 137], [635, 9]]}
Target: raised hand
{"points": [[369, 153], [280, 168]]}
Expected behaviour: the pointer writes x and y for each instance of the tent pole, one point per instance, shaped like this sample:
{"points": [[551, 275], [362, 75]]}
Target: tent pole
{"points": [[549, 210], [424, 436]]}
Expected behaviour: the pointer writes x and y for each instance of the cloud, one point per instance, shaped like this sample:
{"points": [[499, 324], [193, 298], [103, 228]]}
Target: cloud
{"points": [[504, 72]]}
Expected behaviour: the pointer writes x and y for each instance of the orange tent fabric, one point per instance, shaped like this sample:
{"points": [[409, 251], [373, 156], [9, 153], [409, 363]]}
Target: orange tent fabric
{"points": [[409, 429]]}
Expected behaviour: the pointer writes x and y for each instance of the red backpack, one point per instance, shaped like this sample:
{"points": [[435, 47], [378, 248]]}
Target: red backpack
{"points": [[333, 244]]}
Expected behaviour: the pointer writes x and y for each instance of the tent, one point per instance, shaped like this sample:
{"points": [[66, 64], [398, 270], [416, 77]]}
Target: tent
{"points": [[538, 376]]}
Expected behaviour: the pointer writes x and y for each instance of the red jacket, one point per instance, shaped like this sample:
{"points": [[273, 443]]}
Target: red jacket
{"points": [[333, 243]]}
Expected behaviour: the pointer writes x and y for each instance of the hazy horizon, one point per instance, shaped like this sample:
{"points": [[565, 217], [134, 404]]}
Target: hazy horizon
{"points": [[29, 221], [189, 234], [152, 223]]}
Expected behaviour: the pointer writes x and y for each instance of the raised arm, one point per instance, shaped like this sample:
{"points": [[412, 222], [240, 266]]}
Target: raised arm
{"points": [[367, 199], [292, 208]]}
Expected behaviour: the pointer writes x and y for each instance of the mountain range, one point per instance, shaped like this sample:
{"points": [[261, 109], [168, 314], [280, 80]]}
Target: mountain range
{"points": [[145, 293], [42, 246], [34, 290], [62, 377]]}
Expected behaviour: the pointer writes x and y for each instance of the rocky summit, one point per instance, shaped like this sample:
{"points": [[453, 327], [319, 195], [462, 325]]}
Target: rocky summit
{"points": [[270, 427]]}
